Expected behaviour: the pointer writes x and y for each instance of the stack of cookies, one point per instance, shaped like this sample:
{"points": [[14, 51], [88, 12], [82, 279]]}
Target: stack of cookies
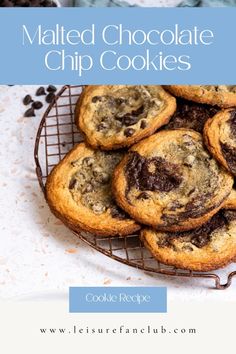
{"points": [[157, 160]]}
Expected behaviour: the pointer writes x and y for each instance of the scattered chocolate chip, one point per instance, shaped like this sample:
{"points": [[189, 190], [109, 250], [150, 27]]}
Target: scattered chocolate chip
{"points": [[37, 105], [129, 132], [40, 91], [143, 124], [29, 112], [50, 97], [27, 100], [51, 88]]}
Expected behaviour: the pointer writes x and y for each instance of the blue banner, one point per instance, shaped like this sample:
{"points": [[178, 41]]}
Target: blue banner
{"points": [[117, 45], [117, 299]]}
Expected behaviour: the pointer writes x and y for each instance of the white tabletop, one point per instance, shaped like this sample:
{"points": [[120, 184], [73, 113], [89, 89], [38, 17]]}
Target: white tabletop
{"points": [[38, 254], [146, 3]]}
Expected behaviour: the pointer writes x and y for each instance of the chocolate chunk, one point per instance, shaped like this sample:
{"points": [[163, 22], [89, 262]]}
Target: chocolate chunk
{"points": [[40, 91], [95, 99], [201, 236], [191, 115], [143, 195], [51, 88], [50, 97], [143, 124], [72, 183], [229, 153], [37, 105], [118, 213], [129, 132], [130, 120], [153, 174], [29, 112], [233, 123], [27, 100]]}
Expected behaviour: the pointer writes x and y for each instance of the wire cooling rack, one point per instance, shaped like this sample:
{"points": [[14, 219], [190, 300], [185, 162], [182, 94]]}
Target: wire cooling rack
{"points": [[56, 135]]}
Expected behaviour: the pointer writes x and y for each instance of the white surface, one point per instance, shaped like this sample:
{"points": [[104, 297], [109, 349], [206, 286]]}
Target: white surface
{"points": [[146, 3], [38, 255]]}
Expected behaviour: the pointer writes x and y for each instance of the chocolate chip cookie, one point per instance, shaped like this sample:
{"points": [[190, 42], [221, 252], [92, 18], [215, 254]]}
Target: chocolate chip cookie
{"points": [[220, 95], [220, 138], [78, 191], [230, 202], [191, 115], [112, 117], [171, 182], [211, 246]]}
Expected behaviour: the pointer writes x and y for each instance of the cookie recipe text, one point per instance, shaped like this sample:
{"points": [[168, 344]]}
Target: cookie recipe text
{"points": [[115, 47]]}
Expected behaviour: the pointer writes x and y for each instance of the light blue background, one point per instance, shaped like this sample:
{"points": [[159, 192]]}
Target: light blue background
{"points": [[78, 303], [214, 64]]}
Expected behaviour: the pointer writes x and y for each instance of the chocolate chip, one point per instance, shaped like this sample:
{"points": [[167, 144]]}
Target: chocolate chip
{"points": [[72, 183], [129, 132], [51, 88], [143, 195], [37, 105], [29, 113], [95, 99], [118, 213], [40, 91], [143, 124], [27, 100], [50, 97], [130, 120]]}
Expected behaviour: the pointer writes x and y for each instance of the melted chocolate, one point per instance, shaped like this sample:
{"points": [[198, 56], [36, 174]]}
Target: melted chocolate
{"points": [[229, 154], [191, 115], [118, 213], [201, 236], [193, 209], [153, 174], [233, 123]]}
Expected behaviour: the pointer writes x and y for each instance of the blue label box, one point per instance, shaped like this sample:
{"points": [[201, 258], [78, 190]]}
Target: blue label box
{"points": [[117, 299]]}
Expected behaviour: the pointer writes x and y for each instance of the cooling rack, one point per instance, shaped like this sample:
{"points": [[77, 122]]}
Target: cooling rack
{"points": [[56, 135]]}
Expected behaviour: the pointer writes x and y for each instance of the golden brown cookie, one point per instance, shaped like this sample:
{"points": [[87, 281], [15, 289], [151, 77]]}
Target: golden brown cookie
{"points": [[170, 182], [112, 117], [220, 95], [230, 202], [191, 115], [220, 138], [211, 246], [78, 191]]}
